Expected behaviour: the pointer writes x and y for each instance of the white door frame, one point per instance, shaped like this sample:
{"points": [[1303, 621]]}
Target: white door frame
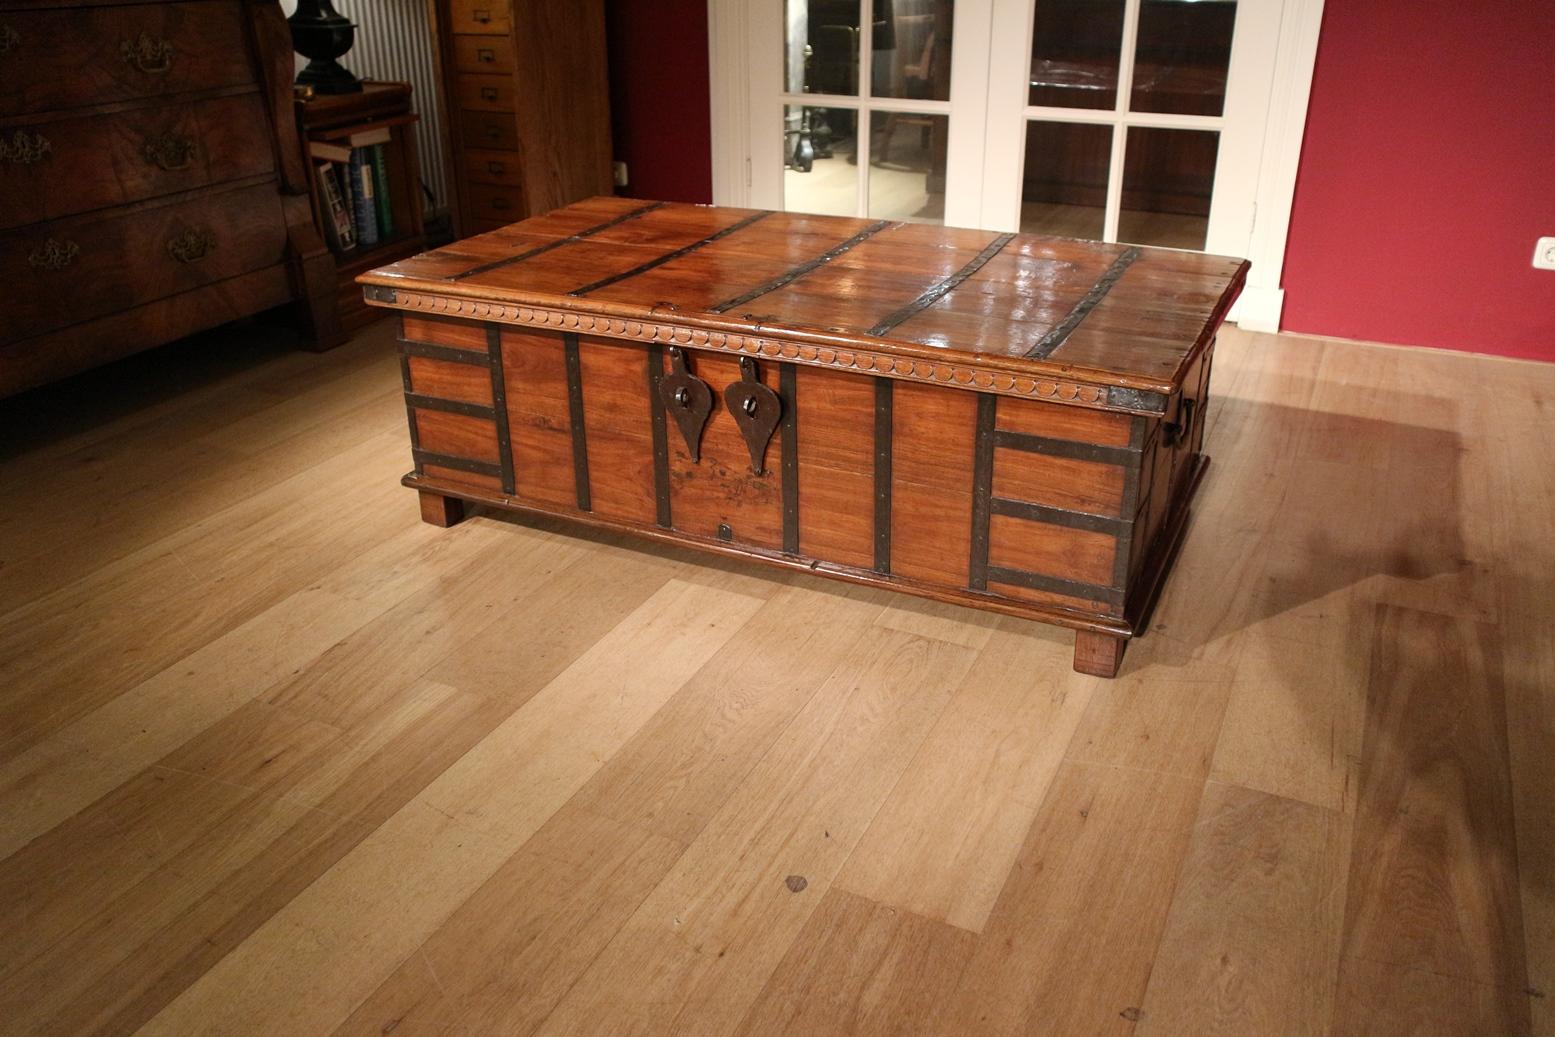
{"points": [[731, 24]]}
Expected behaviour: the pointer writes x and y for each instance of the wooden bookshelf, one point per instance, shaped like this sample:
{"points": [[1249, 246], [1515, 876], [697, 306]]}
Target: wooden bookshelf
{"points": [[335, 118]]}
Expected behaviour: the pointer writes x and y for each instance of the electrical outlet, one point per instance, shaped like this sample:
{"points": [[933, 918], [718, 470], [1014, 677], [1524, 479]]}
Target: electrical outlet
{"points": [[619, 169], [1544, 254]]}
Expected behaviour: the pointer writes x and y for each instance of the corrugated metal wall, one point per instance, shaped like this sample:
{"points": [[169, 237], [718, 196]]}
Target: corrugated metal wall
{"points": [[394, 41]]}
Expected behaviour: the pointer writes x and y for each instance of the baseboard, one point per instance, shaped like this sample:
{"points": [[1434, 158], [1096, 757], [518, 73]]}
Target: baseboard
{"points": [[1259, 308]]}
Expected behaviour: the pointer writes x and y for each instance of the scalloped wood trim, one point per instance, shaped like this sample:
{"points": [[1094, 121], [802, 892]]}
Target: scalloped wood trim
{"points": [[937, 372]]}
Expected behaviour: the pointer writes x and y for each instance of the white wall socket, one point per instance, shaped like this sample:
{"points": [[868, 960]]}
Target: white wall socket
{"points": [[1544, 254], [618, 174]]}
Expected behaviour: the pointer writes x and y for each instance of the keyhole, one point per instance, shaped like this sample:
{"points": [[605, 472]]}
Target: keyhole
{"points": [[683, 396], [750, 406]]}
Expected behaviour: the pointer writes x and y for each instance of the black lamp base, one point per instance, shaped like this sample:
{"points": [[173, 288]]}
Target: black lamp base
{"points": [[328, 76]]}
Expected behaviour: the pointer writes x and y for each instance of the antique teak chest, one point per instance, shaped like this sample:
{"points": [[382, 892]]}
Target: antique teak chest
{"points": [[1006, 421]]}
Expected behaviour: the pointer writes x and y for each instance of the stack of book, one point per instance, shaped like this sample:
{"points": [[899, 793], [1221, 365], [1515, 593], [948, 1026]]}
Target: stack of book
{"points": [[354, 189]]}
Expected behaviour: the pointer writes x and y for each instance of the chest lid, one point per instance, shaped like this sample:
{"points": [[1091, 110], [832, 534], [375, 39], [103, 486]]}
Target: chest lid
{"points": [[1109, 325]]}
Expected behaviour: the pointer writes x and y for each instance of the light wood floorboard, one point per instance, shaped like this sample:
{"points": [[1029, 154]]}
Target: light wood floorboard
{"points": [[276, 758]]}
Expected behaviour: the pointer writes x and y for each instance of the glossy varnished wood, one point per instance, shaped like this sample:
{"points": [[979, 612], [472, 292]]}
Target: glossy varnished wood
{"points": [[266, 773]]}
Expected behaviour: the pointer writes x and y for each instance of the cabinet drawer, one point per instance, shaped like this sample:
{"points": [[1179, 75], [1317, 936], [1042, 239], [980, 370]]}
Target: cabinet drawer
{"points": [[485, 93], [481, 16], [496, 130], [78, 269], [491, 202], [483, 54], [499, 168], [68, 57], [55, 169]]}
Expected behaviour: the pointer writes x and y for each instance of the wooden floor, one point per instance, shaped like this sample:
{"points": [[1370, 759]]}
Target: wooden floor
{"points": [[278, 759]]}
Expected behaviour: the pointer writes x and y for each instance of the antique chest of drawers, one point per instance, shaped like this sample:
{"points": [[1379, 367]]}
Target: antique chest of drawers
{"points": [[1005, 421], [528, 106], [151, 183]]}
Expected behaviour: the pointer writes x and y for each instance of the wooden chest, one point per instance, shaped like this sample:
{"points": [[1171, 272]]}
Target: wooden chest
{"points": [[1005, 421]]}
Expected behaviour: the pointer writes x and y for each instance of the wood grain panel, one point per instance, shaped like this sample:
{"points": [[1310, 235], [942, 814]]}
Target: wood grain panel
{"points": [[617, 421], [534, 367], [1041, 547], [454, 477], [450, 381], [1059, 482], [720, 489], [836, 514], [1066, 601], [1059, 422], [457, 435], [441, 331], [933, 432]]}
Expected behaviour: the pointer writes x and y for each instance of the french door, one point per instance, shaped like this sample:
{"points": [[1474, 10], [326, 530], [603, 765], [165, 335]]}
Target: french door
{"points": [[1119, 120]]}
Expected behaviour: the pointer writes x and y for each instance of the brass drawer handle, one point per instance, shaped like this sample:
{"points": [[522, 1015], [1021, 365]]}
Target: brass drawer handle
{"points": [[481, 15], [54, 255], [151, 54], [495, 168], [170, 152], [485, 54], [499, 203], [9, 38], [191, 245], [488, 93], [493, 132], [25, 148]]}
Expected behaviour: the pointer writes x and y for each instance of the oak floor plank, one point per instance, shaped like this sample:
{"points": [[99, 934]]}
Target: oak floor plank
{"points": [[308, 967], [1251, 943], [697, 953], [1069, 945], [944, 842], [860, 968], [1433, 883]]}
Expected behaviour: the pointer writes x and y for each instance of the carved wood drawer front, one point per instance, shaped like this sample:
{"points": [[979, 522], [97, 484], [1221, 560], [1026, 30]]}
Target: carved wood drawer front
{"points": [[483, 53], [488, 202], [481, 16], [69, 57], [81, 268], [485, 93], [499, 168], [74, 165], [491, 130]]}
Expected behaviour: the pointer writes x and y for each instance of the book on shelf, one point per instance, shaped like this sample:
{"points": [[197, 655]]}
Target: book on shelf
{"points": [[365, 208], [367, 138], [381, 192], [339, 226], [328, 151]]}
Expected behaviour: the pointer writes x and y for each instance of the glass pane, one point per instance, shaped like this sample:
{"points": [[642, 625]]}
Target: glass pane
{"points": [[822, 167], [1064, 187], [912, 49], [1168, 176], [1074, 53], [907, 166], [821, 51], [1181, 59]]}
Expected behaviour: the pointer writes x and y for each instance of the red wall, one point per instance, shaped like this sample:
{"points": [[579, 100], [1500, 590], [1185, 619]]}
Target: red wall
{"points": [[1426, 176], [659, 97]]}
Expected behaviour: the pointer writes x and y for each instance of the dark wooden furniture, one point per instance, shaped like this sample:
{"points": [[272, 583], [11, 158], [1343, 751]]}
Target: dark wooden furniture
{"points": [[335, 118], [528, 106], [150, 180], [1011, 422]]}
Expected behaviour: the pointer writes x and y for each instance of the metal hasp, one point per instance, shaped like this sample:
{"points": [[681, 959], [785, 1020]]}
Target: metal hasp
{"points": [[688, 400], [756, 409]]}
